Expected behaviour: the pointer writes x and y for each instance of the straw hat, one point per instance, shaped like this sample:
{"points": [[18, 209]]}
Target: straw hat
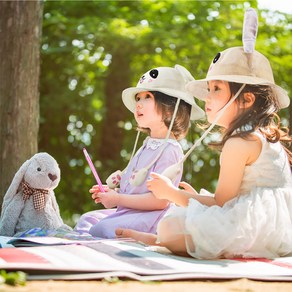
{"points": [[234, 65], [168, 80]]}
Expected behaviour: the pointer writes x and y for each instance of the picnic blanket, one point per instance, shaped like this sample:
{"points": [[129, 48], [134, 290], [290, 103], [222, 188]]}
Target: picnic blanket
{"points": [[49, 257]]}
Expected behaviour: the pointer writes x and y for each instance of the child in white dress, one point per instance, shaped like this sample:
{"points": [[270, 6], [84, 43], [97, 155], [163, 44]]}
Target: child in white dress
{"points": [[250, 213]]}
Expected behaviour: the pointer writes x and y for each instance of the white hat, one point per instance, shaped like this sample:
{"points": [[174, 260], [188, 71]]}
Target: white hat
{"points": [[234, 65], [168, 80]]}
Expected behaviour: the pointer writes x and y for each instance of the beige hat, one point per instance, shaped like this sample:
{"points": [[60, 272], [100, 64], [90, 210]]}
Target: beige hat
{"points": [[168, 80], [234, 65]]}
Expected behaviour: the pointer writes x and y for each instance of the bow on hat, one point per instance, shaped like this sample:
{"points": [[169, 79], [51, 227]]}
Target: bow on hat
{"points": [[38, 195]]}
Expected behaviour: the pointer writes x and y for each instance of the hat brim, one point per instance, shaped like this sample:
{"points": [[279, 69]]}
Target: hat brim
{"points": [[128, 97], [198, 87]]}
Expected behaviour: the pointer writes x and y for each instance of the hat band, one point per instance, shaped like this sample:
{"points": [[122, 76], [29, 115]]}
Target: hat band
{"points": [[218, 116]]}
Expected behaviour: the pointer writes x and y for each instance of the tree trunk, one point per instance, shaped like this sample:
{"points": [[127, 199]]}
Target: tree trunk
{"points": [[20, 32], [111, 139]]}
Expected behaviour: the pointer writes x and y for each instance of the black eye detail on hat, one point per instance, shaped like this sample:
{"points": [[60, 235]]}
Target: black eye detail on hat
{"points": [[216, 58], [153, 73]]}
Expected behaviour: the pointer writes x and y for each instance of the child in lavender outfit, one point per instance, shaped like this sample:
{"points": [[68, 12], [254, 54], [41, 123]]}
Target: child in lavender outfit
{"points": [[163, 109]]}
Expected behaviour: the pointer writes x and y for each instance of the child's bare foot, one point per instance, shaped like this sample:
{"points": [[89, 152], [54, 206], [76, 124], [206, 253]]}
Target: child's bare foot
{"points": [[147, 238]]}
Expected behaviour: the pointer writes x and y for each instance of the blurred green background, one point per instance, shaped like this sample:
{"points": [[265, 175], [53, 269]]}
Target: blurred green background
{"points": [[92, 50]]}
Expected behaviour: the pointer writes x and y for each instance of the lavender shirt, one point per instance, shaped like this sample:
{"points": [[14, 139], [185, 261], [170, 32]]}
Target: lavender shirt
{"points": [[104, 222]]}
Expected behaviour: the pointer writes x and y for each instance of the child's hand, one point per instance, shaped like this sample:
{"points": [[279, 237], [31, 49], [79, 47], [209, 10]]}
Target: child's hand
{"points": [[109, 199], [95, 190], [187, 187], [159, 185]]}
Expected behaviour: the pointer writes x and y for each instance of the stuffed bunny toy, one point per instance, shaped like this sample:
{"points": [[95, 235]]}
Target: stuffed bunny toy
{"points": [[30, 201]]}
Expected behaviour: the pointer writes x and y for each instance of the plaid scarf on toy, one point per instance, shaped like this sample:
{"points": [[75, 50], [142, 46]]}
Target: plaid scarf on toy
{"points": [[38, 195]]}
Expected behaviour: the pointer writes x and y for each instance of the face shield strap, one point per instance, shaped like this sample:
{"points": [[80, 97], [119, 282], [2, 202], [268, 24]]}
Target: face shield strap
{"points": [[114, 179], [140, 175], [172, 171], [135, 145]]}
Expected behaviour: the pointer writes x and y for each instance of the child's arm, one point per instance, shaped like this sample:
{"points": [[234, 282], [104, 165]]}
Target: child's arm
{"points": [[145, 201], [237, 153], [162, 188]]}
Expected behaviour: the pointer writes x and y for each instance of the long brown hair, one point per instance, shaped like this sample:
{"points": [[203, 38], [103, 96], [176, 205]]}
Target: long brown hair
{"points": [[262, 116]]}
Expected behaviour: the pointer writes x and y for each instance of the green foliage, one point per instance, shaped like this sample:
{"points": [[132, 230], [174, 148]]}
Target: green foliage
{"points": [[92, 50], [12, 278]]}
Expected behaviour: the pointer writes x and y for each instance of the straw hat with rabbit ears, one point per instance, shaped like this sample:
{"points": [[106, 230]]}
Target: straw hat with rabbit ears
{"points": [[238, 64], [242, 65]]}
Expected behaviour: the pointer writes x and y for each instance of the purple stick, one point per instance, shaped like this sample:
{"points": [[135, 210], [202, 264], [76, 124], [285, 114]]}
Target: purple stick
{"points": [[93, 170]]}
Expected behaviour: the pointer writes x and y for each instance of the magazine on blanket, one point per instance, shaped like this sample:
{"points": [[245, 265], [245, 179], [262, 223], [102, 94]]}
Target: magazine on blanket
{"points": [[118, 258], [47, 240], [40, 236], [36, 241]]}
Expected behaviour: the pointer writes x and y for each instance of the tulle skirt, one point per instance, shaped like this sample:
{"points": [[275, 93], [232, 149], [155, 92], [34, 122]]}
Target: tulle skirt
{"points": [[258, 224]]}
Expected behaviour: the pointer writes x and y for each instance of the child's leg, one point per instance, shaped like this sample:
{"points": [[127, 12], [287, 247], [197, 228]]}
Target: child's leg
{"points": [[170, 235], [147, 238], [87, 220]]}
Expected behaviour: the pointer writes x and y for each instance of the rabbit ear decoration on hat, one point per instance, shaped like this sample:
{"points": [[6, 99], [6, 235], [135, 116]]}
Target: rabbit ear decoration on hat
{"points": [[187, 76], [242, 65], [249, 34], [249, 31], [14, 186]]}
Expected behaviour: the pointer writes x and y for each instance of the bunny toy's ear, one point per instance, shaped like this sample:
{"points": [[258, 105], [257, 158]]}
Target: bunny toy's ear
{"points": [[12, 190]]}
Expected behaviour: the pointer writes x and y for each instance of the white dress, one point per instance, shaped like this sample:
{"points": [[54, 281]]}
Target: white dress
{"points": [[257, 223]]}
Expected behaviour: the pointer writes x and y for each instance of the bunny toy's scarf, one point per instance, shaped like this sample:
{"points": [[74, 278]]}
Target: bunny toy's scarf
{"points": [[38, 195]]}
